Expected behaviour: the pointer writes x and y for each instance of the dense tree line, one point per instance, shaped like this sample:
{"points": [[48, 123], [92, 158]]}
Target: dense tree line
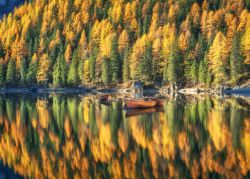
{"points": [[86, 42]]}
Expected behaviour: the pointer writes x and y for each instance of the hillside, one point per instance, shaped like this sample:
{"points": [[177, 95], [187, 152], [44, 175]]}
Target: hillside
{"points": [[105, 42]]}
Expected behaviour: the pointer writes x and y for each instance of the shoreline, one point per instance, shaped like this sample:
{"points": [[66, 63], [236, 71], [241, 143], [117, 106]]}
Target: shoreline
{"points": [[148, 91]]}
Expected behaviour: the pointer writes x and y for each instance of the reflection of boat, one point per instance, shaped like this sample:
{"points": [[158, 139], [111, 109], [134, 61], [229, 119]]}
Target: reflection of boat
{"points": [[136, 112], [140, 103], [104, 99], [159, 101]]}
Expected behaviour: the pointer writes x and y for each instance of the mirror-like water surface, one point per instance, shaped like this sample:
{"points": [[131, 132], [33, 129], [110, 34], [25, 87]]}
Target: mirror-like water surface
{"points": [[60, 136]]}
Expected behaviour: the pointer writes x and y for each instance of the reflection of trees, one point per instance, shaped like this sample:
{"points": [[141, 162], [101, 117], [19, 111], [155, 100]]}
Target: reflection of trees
{"points": [[67, 137]]}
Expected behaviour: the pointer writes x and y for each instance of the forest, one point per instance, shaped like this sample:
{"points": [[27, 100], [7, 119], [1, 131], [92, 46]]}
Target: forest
{"points": [[81, 43]]}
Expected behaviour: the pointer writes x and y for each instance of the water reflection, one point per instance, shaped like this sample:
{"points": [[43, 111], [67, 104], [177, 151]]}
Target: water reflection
{"points": [[61, 136]]}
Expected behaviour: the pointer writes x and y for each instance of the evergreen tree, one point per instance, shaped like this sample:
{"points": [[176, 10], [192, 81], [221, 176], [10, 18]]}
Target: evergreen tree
{"points": [[81, 71], [32, 72], [125, 70], [86, 72], [1, 73], [23, 71], [106, 75], [115, 61], [73, 78], [209, 78], [145, 67], [203, 71], [194, 72], [236, 60], [92, 64], [173, 68], [11, 73], [57, 73], [64, 71]]}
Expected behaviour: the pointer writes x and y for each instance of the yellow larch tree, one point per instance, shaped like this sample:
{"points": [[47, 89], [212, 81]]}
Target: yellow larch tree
{"points": [[246, 45], [68, 54], [43, 71], [83, 45], [196, 14], [157, 56], [243, 20], [137, 52], [123, 41], [217, 58], [155, 20], [184, 40], [169, 35], [86, 72]]}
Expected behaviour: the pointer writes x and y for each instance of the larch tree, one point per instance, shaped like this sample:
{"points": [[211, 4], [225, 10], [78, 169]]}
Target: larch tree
{"points": [[217, 59], [137, 56], [86, 72], [68, 54], [173, 67], [246, 45], [123, 41], [157, 60], [44, 72]]}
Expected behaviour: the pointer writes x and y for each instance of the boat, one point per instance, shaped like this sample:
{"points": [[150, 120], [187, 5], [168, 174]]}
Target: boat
{"points": [[139, 103]]}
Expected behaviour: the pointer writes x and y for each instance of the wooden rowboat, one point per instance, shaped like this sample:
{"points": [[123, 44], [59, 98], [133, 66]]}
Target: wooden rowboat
{"points": [[140, 103]]}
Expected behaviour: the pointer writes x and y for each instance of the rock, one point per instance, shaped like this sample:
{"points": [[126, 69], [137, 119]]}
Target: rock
{"points": [[190, 91]]}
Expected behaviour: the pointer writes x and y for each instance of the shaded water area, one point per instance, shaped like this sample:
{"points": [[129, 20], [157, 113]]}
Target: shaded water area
{"points": [[66, 136]]}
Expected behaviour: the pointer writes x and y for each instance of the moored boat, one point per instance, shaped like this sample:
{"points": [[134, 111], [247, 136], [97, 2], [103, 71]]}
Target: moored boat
{"points": [[140, 103]]}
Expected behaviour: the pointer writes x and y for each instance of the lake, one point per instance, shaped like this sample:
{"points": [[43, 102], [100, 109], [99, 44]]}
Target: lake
{"points": [[66, 136]]}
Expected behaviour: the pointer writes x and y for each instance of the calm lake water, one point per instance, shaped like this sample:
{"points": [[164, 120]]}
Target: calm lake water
{"points": [[63, 136]]}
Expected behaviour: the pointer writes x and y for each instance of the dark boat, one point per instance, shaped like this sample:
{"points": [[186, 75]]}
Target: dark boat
{"points": [[140, 103]]}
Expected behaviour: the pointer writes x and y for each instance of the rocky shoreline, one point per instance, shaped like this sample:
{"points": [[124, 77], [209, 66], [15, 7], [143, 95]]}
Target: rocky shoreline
{"points": [[148, 91], [211, 91]]}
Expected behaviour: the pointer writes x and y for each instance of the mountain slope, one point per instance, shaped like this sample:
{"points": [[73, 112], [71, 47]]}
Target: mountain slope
{"points": [[83, 42]]}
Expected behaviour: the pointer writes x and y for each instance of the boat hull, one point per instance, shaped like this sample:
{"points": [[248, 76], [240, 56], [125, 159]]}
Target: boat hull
{"points": [[136, 104]]}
